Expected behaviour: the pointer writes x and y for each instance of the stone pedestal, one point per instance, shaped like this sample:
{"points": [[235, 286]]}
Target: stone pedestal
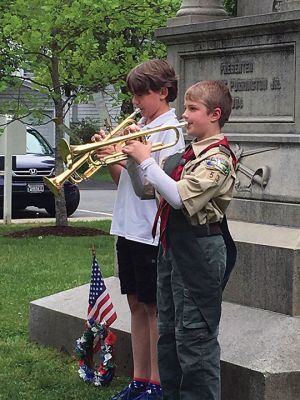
{"points": [[257, 56], [260, 355], [267, 270]]}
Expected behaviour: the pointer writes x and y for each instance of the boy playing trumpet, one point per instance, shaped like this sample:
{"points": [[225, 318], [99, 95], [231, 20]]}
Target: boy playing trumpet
{"points": [[153, 85]]}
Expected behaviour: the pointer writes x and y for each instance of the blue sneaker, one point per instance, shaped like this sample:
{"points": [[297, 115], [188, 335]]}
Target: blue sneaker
{"points": [[153, 392], [129, 393]]}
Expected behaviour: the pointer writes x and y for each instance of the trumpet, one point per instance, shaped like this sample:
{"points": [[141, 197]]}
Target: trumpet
{"points": [[76, 156], [69, 153], [55, 183]]}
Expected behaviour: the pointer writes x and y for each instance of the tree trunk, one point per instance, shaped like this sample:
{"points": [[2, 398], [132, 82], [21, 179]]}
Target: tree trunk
{"points": [[60, 203]]}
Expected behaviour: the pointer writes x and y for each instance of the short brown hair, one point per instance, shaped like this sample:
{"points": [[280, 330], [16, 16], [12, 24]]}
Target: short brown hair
{"points": [[153, 75], [213, 94]]}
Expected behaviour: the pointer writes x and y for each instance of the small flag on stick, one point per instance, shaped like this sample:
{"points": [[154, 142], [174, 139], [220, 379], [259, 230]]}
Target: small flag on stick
{"points": [[100, 308], [97, 337]]}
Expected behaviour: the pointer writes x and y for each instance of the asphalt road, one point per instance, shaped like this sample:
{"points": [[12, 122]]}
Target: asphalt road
{"points": [[96, 200]]}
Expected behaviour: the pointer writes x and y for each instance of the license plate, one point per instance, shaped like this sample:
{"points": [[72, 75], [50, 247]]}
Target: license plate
{"points": [[35, 187]]}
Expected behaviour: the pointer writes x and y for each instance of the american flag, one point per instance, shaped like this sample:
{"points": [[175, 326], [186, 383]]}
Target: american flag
{"points": [[100, 307]]}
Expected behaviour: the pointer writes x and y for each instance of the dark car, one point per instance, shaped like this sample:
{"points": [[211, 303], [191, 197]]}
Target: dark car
{"points": [[28, 188]]}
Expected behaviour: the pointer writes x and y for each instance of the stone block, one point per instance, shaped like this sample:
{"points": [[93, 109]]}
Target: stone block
{"points": [[267, 213], [260, 357], [260, 354], [59, 320], [267, 272]]}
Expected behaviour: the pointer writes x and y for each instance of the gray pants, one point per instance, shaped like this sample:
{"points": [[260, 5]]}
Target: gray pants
{"points": [[188, 352]]}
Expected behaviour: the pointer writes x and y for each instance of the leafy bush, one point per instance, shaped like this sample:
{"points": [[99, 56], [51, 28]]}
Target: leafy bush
{"points": [[83, 131], [231, 7]]}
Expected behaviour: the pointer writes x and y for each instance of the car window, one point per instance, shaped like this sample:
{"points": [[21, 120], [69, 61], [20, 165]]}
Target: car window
{"points": [[36, 144]]}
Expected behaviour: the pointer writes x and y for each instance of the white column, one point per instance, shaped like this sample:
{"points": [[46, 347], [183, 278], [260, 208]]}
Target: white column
{"points": [[7, 190], [12, 142]]}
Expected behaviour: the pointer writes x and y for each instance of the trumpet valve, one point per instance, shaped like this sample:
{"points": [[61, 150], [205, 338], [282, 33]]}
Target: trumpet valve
{"points": [[142, 139], [69, 161]]}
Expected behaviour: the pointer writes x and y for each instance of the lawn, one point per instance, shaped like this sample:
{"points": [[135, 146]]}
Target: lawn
{"points": [[32, 268]]}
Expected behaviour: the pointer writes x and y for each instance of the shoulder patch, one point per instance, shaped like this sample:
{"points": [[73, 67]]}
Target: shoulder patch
{"points": [[217, 163]]}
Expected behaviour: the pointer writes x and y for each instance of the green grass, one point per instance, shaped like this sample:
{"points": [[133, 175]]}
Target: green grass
{"points": [[32, 268]]}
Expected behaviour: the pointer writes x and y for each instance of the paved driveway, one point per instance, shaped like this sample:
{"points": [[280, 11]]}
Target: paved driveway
{"points": [[96, 199]]}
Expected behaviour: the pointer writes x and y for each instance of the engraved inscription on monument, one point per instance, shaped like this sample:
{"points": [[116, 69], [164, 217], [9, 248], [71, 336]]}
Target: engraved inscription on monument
{"points": [[261, 79]]}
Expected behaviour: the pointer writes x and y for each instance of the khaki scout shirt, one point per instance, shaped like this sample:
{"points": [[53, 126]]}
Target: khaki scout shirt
{"points": [[205, 189]]}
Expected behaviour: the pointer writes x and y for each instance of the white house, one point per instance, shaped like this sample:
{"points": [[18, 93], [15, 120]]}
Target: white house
{"points": [[99, 107]]}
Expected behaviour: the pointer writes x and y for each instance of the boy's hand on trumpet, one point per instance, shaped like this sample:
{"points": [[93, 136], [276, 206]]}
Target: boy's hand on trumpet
{"points": [[137, 150], [131, 129], [107, 150], [97, 137]]}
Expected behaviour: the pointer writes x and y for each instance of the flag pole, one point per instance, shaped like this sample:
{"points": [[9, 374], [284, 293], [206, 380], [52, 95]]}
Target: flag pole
{"points": [[89, 353]]}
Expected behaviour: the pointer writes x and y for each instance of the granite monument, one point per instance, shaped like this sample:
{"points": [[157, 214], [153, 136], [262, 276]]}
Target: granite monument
{"points": [[256, 55]]}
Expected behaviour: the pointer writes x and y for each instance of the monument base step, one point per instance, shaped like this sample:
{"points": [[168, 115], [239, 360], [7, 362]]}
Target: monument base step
{"points": [[59, 320], [260, 349]]}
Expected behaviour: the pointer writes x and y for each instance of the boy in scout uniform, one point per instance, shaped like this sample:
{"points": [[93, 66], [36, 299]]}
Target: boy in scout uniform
{"points": [[195, 188]]}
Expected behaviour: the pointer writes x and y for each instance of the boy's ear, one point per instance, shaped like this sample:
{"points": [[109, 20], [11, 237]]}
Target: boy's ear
{"points": [[216, 114], [164, 91]]}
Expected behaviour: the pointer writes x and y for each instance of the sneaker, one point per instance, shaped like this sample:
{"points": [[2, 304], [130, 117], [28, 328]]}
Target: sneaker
{"points": [[129, 393], [150, 394]]}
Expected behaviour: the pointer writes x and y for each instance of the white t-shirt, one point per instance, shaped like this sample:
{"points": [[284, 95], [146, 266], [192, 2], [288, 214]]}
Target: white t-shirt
{"points": [[132, 217]]}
